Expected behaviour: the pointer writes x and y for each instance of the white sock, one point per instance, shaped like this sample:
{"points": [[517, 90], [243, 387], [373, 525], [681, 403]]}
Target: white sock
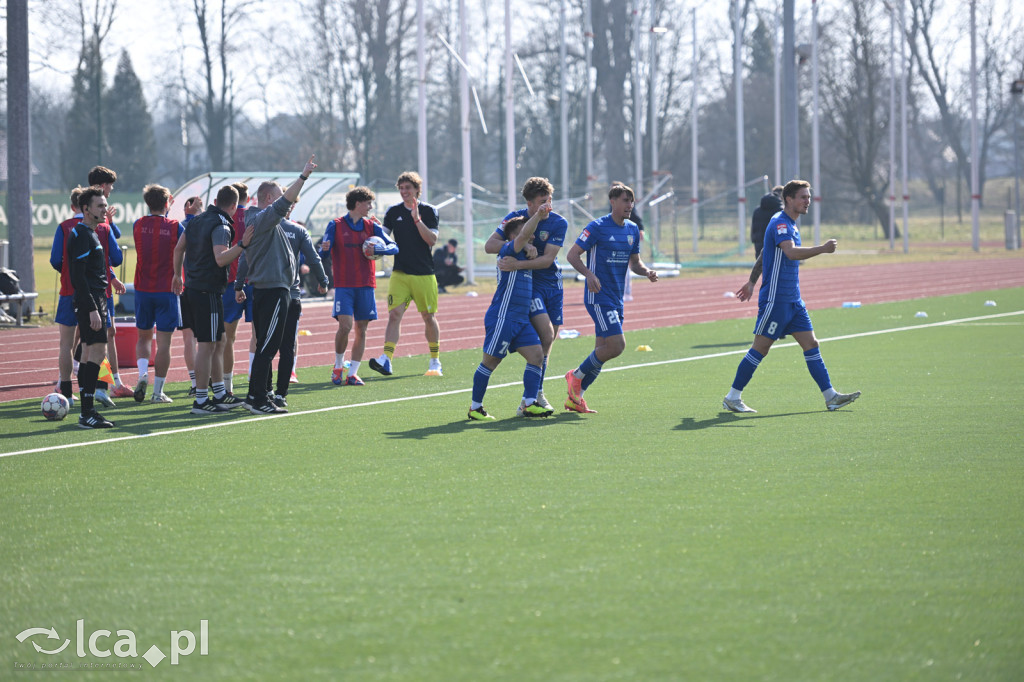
{"points": [[252, 356], [158, 385], [528, 401], [473, 405], [117, 379], [143, 365], [829, 393], [353, 368], [733, 394], [578, 374], [339, 360], [229, 383]]}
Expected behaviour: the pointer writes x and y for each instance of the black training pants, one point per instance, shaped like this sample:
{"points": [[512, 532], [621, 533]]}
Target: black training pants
{"points": [[269, 313]]}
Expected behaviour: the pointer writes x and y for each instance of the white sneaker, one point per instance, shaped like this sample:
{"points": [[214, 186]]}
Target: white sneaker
{"points": [[543, 402], [736, 405], [160, 398], [434, 369], [841, 400], [103, 399]]}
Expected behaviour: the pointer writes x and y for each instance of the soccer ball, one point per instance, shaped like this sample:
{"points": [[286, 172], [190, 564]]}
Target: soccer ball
{"points": [[368, 247], [55, 407]]}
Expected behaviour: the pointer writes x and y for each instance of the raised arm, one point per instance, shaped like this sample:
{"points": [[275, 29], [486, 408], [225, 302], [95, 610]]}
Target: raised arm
{"points": [[292, 193]]}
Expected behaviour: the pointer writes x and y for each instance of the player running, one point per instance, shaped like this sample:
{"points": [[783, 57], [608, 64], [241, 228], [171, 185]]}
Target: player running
{"points": [[546, 306], [780, 310], [612, 245], [507, 324]]}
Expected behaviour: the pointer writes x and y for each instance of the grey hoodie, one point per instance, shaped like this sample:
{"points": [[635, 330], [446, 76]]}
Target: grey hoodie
{"points": [[270, 259], [301, 244]]}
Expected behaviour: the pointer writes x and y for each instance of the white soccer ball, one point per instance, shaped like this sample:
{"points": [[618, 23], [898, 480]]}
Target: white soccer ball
{"points": [[369, 249], [55, 407]]}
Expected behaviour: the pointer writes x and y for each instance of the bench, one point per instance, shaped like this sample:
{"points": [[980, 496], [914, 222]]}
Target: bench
{"points": [[19, 298]]}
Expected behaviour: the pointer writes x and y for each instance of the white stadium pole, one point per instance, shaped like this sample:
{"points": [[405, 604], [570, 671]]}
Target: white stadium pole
{"points": [[421, 95], [737, 65], [588, 39], [975, 183], [815, 140], [563, 104], [892, 128], [904, 153], [694, 184], [652, 114], [776, 51], [467, 152], [510, 118], [638, 140]]}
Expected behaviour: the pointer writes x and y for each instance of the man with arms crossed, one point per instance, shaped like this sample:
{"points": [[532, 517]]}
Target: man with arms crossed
{"points": [[203, 247]]}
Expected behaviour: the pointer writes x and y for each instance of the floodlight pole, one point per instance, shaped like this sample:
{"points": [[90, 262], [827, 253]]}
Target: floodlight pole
{"points": [[777, 78], [694, 73], [790, 103], [815, 143], [510, 124], [638, 140], [904, 154], [975, 188], [467, 152], [1015, 90], [563, 102], [892, 128], [588, 39], [741, 194], [421, 93]]}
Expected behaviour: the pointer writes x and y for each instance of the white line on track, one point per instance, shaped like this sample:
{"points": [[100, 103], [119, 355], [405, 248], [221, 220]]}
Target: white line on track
{"points": [[333, 408]]}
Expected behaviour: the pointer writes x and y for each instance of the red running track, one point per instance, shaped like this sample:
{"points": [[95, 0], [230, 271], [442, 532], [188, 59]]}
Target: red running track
{"points": [[28, 363]]}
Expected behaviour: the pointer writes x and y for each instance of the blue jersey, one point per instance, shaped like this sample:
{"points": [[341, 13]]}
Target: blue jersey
{"points": [[515, 289], [609, 249], [780, 279], [551, 230]]}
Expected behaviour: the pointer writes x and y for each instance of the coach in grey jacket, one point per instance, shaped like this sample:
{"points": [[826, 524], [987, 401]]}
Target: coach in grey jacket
{"points": [[271, 271], [302, 248]]}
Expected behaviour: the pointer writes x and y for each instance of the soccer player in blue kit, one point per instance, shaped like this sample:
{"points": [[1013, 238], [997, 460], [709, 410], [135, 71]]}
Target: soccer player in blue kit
{"points": [[508, 326], [612, 245], [780, 309], [546, 306]]}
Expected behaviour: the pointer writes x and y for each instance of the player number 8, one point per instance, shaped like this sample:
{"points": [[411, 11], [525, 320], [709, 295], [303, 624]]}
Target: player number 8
{"points": [[772, 327]]}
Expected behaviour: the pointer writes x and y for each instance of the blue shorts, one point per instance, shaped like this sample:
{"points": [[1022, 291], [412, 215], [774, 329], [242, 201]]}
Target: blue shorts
{"points": [[775, 319], [607, 320], [66, 312], [160, 310], [549, 302], [503, 336], [233, 310], [356, 302]]}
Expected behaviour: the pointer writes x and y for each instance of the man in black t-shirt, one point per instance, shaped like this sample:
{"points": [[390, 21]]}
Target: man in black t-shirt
{"points": [[413, 226]]}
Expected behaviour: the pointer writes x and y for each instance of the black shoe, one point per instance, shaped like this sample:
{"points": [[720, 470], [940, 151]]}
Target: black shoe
{"points": [[206, 407], [280, 401], [94, 421], [191, 392], [140, 390], [264, 408], [228, 402], [384, 368]]}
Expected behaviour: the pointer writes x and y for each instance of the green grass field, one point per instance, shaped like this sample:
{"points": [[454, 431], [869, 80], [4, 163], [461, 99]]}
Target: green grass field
{"points": [[374, 534]]}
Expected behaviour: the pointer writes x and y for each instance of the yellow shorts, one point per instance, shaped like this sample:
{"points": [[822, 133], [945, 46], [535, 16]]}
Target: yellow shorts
{"points": [[403, 289]]}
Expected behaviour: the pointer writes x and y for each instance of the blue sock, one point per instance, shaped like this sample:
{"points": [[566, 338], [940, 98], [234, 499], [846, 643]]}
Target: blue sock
{"points": [[816, 366], [531, 382], [746, 369], [480, 379], [590, 367]]}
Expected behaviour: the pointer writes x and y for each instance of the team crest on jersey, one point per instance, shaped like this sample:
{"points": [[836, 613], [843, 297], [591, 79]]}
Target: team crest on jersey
{"points": [[544, 235], [781, 229], [629, 239]]}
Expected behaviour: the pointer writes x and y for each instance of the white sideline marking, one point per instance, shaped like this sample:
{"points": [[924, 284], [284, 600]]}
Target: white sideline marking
{"points": [[710, 356]]}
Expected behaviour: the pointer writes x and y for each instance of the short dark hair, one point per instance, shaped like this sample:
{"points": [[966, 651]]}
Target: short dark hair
{"points": [[413, 178], [100, 175], [243, 191], [454, 242], [777, 190], [618, 189], [87, 196], [536, 187], [156, 197], [794, 186], [226, 196], [357, 194], [511, 226]]}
